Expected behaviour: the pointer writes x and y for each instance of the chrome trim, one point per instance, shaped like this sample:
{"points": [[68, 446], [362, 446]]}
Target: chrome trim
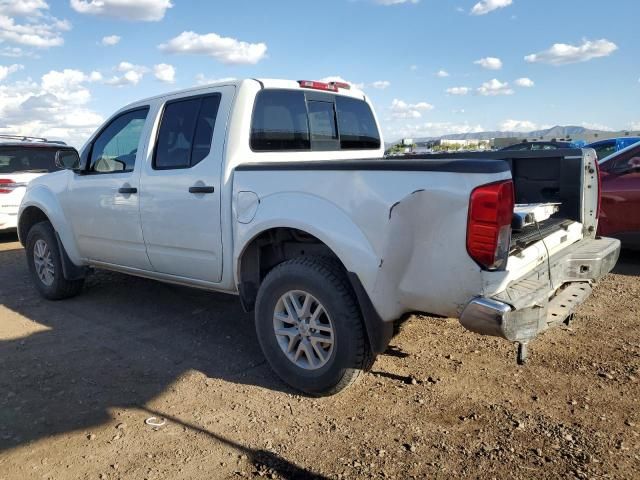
{"points": [[485, 316]]}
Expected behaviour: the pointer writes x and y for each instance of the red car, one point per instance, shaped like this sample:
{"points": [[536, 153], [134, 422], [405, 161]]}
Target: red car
{"points": [[620, 211]]}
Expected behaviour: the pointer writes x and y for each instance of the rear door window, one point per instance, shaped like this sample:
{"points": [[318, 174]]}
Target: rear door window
{"points": [[185, 134]]}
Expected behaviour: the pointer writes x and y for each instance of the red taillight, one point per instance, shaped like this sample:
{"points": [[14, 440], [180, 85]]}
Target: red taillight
{"points": [[489, 224], [329, 87], [343, 85], [7, 185]]}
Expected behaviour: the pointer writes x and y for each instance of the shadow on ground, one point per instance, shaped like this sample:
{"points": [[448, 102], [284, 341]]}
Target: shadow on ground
{"points": [[629, 263], [121, 343]]}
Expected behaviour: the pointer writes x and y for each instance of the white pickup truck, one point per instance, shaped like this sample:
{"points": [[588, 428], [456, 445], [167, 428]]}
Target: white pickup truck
{"points": [[278, 192]]}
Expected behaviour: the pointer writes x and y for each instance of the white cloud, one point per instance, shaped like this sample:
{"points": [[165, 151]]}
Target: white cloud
{"points": [[111, 40], [201, 79], [131, 75], [165, 72], [432, 129], [635, 126], [442, 74], [517, 126], [35, 28], [495, 87], [23, 7], [413, 68], [6, 71], [458, 90], [485, 6], [490, 63], [339, 79], [402, 109], [524, 82], [15, 52], [224, 49], [56, 107], [134, 10], [395, 2], [69, 85], [381, 84], [563, 54], [597, 126]]}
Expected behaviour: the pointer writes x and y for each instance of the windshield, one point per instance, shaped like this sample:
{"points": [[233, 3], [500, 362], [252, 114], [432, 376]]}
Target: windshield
{"points": [[27, 160]]}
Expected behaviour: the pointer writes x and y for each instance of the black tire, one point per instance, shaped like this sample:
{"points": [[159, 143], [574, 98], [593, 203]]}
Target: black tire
{"points": [[60, 287], [325, 280]]}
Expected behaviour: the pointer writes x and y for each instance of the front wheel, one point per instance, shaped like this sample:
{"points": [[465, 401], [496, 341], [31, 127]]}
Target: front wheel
{"points": [[45, 264], [310, 327]]}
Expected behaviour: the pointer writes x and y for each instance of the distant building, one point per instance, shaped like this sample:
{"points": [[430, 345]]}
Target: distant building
{"points": [[589, 137]]}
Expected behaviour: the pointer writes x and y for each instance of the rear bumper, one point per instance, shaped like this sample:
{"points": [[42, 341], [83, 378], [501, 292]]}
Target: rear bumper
{"points": [[531, 305], [8, 221]]}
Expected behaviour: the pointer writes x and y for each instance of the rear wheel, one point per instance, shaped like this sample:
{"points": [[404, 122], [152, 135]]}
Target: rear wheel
{"points": [[310, 327], [45, 264]]}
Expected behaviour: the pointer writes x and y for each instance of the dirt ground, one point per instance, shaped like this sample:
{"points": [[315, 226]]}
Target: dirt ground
{"points": [[79, 378]]}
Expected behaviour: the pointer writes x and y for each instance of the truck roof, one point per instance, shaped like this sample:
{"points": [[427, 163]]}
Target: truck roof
{"points": [[352, 91]]}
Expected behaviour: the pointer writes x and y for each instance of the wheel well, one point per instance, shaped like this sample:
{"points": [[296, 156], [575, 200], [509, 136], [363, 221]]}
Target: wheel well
{"points": [[269, 249], [278, 245], [28, 219]]}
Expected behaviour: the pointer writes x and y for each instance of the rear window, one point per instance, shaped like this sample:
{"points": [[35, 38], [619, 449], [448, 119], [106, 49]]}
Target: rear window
{"points": [[27, 160], [356, 124], [280, 121], [288, 120], [605, 149]]}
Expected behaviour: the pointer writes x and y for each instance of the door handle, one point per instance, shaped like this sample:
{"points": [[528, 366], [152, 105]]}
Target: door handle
{"points": [[201, 189], [127, 190]]}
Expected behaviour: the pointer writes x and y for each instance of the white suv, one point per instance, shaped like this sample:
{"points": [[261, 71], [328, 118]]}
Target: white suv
{"points": [[21, 160]]}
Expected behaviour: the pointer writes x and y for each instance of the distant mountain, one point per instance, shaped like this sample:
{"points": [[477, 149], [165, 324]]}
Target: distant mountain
{"points": [[557, 132]]}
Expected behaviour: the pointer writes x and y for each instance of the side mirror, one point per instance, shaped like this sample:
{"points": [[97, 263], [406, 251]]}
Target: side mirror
{"points": [[67, 159]]}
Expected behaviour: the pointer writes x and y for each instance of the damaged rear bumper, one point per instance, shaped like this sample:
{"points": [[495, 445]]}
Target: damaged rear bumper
{"points": [[531, 305]]}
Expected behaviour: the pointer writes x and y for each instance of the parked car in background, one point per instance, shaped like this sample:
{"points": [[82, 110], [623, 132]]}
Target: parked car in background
{"points": [[21, 160], [620, 178], [604, 148], [529, 146]]}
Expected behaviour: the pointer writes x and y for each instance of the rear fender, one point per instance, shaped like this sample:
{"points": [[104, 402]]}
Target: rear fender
{"points": [[317, 217]]}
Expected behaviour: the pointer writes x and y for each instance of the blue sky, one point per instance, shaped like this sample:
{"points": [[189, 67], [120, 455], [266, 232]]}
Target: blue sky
{"points": [[430, 66]]}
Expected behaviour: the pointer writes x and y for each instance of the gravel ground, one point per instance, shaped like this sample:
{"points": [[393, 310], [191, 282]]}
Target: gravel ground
{"points": [[79, 378]]}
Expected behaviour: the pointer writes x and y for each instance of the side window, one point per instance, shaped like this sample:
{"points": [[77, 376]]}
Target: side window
{"points": [[186, 131], [280, 121], [115, 149], [356, 124], [204, 128]]}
